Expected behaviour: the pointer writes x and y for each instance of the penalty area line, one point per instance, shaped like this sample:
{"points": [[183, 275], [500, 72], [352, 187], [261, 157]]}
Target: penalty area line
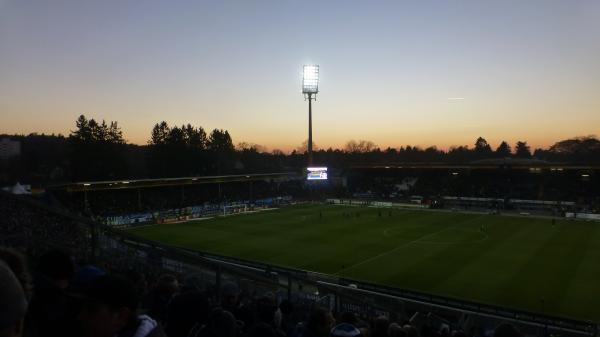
{"points": [[391, 250]]}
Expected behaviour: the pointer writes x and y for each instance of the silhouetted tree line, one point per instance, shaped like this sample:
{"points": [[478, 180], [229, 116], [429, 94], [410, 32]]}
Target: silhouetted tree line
{"points": [[187, 150], [98, 151]]}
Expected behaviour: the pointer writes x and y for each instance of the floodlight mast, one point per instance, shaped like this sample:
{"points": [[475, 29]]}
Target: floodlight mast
{"points": [[310, 87]]}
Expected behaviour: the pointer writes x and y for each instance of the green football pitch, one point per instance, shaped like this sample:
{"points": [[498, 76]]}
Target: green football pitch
{"points": [[503, 260]]}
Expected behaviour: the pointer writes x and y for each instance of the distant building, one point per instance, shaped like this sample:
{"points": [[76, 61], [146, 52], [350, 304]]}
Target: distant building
{"points": [[9, 148]]}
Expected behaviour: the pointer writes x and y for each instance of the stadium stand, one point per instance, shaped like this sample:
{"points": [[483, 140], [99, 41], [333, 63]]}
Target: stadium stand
{"points": [[566, 186]]}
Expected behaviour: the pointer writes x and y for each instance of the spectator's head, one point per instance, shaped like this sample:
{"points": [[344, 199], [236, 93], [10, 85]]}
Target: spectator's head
{"points": [[138, 278], [266, 306], [85, 276], [186, 310], [229, 295], [411, 331], [221, 323], [192, 283], [110, 305], [507, 330], [13, 304], [395, 330], [167, 286], [320, 321], [57, 267], [345, 330], [16, 262], [380, 326], [286, 307]]}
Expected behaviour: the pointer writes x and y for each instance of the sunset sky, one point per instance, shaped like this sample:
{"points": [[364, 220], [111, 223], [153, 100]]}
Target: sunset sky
{"points": [[393, 72]]}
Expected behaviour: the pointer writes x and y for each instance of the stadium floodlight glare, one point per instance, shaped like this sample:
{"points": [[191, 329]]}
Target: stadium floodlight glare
{"points": [[310, 88], [310, 79]]}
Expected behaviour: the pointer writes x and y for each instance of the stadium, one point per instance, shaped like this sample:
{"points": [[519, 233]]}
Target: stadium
{"points": [[181, 232], [376, 240]]}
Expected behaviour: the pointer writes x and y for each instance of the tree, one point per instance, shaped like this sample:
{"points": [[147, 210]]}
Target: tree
{"points": [[159, 134], [115, 135], [482, 148], [459, 154], [220, 141], [580, 150], [97, 150], [251, 147], [361, 146], [522, 150], [99, 131], [503, 150], [303, 148], [221, 151], [577, 145], [195, 138], [82, 133], [177, 151]]}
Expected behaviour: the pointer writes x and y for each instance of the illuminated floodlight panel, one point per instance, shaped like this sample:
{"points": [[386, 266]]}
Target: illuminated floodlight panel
{"points": [[316, 173], [310, 79]]}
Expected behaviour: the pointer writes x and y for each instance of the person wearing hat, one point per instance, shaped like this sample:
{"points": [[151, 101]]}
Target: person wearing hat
{"points": [[110, 310], [13, 304]]}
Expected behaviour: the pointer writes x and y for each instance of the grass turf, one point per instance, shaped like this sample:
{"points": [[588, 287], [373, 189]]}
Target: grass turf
{"points": [[515, 263]]}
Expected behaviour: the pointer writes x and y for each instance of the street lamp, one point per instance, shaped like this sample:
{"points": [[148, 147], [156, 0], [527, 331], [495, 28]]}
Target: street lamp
{"points": [[310, 88]]}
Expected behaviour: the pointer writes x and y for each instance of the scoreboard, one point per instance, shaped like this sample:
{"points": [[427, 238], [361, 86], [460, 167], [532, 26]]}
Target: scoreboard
{"points": [[316, 173]]}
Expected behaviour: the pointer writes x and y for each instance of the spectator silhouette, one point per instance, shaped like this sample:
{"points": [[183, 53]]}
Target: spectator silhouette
{"points": [[319, 323], [13, 304], [51, 311], [110, 310], [395, 330], [268, 313], [187, 309], [221, 323], [507, 330], [18, 265], [380, 327], [159, 297]]}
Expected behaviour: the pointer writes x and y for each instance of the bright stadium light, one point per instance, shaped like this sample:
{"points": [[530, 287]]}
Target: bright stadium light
{"points": [[310, 88], [310, 79]]}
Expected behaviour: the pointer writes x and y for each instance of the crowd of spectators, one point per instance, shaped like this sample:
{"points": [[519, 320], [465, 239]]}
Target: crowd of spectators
{"points": [[517, 184], [32, 228], [127, 201], [504, 184], [67, 299]]}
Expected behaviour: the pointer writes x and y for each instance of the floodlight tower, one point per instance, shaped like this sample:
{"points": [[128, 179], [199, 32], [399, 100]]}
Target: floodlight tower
{"points": [[310, 88]]}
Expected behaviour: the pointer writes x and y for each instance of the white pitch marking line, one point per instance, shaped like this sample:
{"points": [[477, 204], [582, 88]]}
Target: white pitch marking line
{"points": [[386, 233], [393, 250]]}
